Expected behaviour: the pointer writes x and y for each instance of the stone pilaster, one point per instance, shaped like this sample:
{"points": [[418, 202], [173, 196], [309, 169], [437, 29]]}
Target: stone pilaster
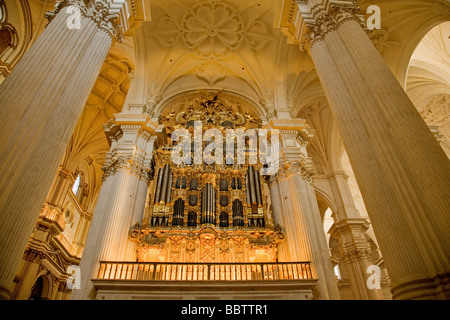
{"points": [[63, 292], [41, 102], [50, 224], [403, 173], [356, 256], [349, 229], [121, 202]]}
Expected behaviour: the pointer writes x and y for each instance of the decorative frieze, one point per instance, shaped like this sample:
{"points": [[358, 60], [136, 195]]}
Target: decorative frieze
{"points": [[209, 247], [32, 255]]}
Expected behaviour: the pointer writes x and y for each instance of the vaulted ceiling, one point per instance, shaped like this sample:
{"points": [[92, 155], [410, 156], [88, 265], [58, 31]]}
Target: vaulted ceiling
{"points": [[230, 46]]}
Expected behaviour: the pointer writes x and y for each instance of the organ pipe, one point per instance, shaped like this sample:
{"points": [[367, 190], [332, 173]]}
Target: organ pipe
{"points": [[258, 188], [204, 205], [158, 186], [169, 191], [165, 183], [247, 189], [208, 204], [251, 172]]}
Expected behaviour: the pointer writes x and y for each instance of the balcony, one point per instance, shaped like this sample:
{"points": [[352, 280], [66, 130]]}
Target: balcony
{"points": [[204, 272], [134, 280]]}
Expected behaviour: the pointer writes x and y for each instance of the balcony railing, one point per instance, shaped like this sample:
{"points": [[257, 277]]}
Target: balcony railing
{"points": [[204, 272]]}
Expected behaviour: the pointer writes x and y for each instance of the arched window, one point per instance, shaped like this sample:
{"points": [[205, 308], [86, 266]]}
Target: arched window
{"points": [[76, 185], [8, 34], [337, 272], [37, 289], [41, 289]]}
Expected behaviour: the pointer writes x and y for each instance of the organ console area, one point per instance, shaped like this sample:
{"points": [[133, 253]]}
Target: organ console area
{"points": [[207, 212]]}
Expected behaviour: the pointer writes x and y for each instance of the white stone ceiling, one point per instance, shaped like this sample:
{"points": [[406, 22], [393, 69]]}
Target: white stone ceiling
{"points": [[224, 45], [428, 80]]}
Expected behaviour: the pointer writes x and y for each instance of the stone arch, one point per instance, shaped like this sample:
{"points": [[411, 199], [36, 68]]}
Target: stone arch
{"points": [[428, 84], [42, 287], [325, 201], [16, 25], [412, 43]]}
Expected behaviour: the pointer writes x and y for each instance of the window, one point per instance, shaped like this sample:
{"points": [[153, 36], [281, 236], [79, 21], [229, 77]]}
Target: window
{"points": [[2, 11], [337, 272], [76, 185]]}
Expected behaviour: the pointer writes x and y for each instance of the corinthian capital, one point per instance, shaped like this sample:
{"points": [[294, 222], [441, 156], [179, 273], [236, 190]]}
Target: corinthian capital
{"points": [[102, 12], [331, 18], [301, 167], [307, 22]]}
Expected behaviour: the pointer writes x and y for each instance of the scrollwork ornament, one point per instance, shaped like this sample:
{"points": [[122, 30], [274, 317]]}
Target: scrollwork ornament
{"points": [[33, 255], [135, 233]]}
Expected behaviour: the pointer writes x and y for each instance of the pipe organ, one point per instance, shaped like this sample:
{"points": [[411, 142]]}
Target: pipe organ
{"points": [[207, 211]]}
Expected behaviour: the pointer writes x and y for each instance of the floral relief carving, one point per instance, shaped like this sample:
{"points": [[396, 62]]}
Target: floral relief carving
{"points": [[212, 30], [213, 27]]}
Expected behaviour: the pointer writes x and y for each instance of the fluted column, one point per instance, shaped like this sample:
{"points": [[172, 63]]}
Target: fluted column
{"points": [[40, 104], [403, 173], [296, 210], [120, 205]]}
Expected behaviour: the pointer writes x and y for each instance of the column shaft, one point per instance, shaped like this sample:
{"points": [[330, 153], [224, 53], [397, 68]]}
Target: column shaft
{"points": [[120, 205], [40, 104], [403, 173], [297, 211]]}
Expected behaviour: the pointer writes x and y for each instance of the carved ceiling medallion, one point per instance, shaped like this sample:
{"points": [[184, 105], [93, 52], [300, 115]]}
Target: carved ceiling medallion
{"points": [[212, 27], [213, 30]]}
